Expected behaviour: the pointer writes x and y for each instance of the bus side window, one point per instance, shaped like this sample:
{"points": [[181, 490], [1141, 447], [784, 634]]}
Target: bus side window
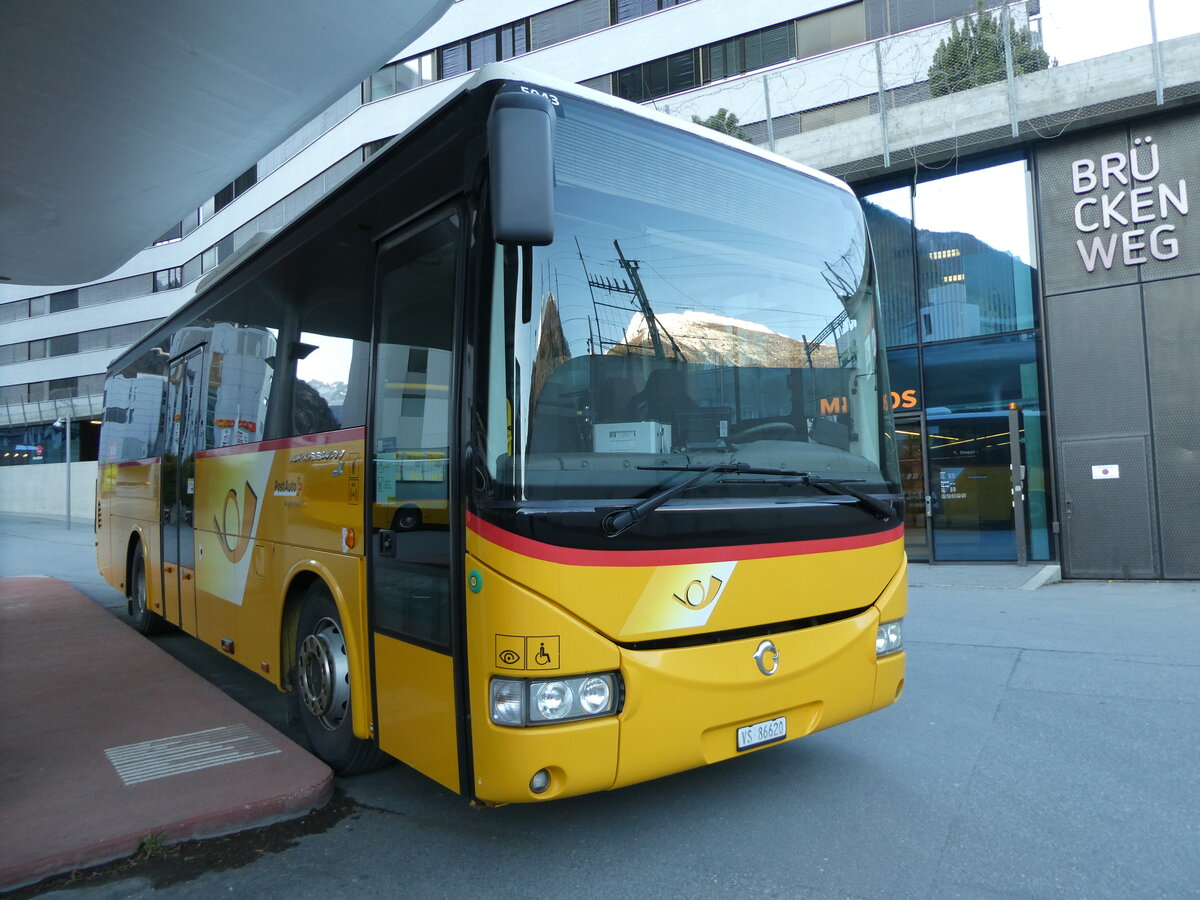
{"points": [[331, 380]]}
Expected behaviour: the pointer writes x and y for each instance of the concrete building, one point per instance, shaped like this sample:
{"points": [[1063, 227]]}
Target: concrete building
{"points": [[1030, 223]]}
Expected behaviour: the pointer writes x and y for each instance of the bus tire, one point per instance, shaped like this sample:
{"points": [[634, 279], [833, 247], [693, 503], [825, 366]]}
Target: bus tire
{"points": [[322, 687], [145, 620], [406, 519]]}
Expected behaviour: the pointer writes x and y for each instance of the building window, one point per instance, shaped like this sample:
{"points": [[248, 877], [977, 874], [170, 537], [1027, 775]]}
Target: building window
{"points": [[624, 10], [168, 279], [173, 233], [659, 77], [569, 21], [452, 60], [949, 269], [831, 30], [15, 311], [64, 300], [235, 188], [222, 198], [889, 222], [748, 52], [382, 83], [61, 387], [64, 344], [602, 84], [421, 69], [975, 272]]}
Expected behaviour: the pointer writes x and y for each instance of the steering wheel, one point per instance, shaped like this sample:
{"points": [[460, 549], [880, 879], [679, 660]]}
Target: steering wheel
{"points": [[766, 431]]}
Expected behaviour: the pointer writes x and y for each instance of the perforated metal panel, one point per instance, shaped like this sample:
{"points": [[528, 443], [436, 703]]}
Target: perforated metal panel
{"points": [[1097, 364], [1108, 522], [1172, 324]]}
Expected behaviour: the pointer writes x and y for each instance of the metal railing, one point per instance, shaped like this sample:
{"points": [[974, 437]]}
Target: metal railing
{"points": [[1014, 70]]}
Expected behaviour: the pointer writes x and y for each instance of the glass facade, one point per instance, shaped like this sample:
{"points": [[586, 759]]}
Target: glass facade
{"points": [[958, 282]]}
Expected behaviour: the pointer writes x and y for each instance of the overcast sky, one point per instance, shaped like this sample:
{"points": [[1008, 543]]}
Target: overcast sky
{"points": [[1080, 29]]}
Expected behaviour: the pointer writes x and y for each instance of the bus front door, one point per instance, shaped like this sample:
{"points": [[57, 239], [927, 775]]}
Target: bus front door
{"points": [[178, 490], [411, 569]]}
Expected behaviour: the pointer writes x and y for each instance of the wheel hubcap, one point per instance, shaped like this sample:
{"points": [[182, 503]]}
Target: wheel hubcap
{"points": [[325, 674], [139, 593]]}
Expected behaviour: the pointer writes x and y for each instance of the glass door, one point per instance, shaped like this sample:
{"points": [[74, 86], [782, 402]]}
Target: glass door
{"points": [[178, 489], [912, 479], [411, 544], [971, 486]]}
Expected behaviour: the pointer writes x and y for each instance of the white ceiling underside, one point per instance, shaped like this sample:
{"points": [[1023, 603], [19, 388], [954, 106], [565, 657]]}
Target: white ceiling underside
{"points": [[121, 116]]}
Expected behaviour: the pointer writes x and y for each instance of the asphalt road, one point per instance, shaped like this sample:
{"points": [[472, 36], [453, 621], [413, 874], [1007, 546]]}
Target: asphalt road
{"points": [[1045, 746]]}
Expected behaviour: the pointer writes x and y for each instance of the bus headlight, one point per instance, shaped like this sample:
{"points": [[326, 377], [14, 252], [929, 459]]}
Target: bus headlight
{"points": [[523, 701], [553, 700], [507, 702], [888, 639]]}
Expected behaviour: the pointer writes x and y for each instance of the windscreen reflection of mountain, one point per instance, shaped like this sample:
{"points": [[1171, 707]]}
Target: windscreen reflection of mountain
{"points": [[702, 339], [710, 339], [333, 393]]}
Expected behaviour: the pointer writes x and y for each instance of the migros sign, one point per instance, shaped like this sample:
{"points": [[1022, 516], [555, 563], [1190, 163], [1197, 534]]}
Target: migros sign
{"points": [[832, 406]]}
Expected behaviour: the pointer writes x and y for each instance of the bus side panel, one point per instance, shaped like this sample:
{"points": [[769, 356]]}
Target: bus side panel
{"points": [[129, 505], [106, 478], [266, 518], [417, 721]]}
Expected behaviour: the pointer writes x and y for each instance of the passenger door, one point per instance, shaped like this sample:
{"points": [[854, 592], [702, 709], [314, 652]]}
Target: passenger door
{"points": [[412, 514], [178, 489]]}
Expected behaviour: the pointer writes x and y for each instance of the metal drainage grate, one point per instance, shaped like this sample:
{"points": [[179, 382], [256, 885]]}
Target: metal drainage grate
{"points": [[164, 757]]}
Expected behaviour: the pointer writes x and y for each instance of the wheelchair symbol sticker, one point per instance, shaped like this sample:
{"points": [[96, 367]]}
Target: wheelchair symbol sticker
{"points": [[527, 653]]}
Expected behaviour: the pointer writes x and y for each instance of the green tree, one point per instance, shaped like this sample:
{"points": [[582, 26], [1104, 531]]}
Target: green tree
{"points": [[974, 54], [725, 122]]}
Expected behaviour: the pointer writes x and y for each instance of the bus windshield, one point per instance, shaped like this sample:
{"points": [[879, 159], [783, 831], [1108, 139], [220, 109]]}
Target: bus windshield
{"points": [[697, 306]]}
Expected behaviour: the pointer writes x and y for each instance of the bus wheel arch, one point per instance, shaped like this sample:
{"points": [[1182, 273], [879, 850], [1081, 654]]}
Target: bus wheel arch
{"points": [[318, 661]]}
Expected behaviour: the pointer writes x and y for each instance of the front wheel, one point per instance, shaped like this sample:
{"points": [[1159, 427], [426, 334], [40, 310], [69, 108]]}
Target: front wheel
{"points": [[322, 687]]}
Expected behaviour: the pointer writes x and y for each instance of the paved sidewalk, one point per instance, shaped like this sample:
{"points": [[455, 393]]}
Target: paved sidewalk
{"points": [[108, 740]]}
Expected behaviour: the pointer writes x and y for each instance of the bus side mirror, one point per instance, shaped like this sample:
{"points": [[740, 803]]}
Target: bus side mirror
{"points": [[521, 164]]}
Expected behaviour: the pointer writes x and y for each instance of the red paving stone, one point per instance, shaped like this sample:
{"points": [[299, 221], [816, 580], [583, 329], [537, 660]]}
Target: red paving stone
{"points": [[78, 682]]}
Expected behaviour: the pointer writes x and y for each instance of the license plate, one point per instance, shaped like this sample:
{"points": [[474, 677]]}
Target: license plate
{"points": [[762, 733]]}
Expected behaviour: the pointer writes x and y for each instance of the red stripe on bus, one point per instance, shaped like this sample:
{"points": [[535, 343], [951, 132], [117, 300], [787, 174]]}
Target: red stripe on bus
{"points": [[688, 556], [305, 440]]}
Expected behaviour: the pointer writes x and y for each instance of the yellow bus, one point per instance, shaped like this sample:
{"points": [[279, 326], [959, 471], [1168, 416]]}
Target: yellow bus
{"points": [[507, 458]]}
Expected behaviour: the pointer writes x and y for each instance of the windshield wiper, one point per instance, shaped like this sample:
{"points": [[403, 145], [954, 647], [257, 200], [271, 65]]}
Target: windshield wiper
{"points": [[621, 520], [840, 486]]}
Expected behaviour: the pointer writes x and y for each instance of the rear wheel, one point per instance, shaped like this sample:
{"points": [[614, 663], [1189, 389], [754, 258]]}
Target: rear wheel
{"points": [[322, 687], [406, 519], [145, 619]]}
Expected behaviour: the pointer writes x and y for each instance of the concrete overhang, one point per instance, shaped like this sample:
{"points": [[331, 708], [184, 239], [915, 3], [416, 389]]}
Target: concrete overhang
{"points": [[121, 116]]}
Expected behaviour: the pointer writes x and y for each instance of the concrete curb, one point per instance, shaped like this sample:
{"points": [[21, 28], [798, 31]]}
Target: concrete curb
{"points": [[1051, 574]]}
